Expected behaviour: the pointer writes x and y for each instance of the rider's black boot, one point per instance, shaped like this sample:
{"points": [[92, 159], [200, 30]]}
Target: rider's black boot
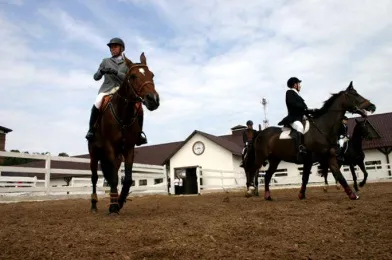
{"points": [[142, 138], [93, 118]]}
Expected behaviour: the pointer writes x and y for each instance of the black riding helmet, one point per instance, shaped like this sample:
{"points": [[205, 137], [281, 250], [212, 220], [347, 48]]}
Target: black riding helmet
{"points": [[249, 122], [116, 41], [292, 81]]}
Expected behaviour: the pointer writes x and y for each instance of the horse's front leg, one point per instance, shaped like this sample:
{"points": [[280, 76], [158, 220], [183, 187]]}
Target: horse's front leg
{"points": [[257, 184], [128, 163], [94, 180], [352, 169], [324, 172], [305, 178], [335, 168]]}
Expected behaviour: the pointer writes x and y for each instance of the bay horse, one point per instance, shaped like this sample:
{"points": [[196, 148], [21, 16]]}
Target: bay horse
{"points": [[275, 144], [117, 131], [354, 154]]}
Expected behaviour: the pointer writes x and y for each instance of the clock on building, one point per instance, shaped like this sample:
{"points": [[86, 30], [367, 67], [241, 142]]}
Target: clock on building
{"points": [[198, 148]]}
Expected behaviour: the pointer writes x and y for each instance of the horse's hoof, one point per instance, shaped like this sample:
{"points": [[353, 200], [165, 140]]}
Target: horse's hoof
{"points": [[248, 195], [94, 210], [268, 198], [354, 196], [361, 184], [301, 196], [325, 189]]}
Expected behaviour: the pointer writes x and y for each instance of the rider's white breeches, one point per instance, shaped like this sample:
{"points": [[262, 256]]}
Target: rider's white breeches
{"points": [[297, 125], [98, 100], [341, 141]]}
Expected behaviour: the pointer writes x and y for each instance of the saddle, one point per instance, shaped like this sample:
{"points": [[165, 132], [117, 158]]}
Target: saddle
{"points": [[105, 103], [106, 99], [288, 132]]}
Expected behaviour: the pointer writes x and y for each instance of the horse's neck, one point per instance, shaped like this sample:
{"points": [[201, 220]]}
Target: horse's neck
{"points": [[124, 109], [329, 122]]}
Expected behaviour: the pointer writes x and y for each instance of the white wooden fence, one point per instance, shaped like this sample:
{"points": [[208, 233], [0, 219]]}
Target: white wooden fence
{"points": [[213, 179], [144, 176], [151, 179]]}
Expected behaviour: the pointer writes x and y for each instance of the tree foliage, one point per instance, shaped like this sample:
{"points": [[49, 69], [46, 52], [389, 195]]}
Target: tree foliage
{"points": [[8, 161]]}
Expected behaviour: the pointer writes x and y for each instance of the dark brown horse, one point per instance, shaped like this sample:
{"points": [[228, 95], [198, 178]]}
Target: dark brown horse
{"points": [[321, 134], [354, 154], [118, 130]]}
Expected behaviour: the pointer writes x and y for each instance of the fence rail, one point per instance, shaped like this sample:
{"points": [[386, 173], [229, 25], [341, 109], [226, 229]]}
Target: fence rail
{"points": [[50, 185]]}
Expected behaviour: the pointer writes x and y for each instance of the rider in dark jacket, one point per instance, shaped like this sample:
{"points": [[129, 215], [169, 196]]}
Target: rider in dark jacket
{"points": [[296, 108], [343, 137], [247, 138]]}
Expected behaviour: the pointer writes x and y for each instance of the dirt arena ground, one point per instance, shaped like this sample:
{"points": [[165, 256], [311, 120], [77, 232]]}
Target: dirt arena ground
{"points": [[210, 226]]}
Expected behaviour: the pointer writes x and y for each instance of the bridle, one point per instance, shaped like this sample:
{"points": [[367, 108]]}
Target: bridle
{"points": [[135, 92]]}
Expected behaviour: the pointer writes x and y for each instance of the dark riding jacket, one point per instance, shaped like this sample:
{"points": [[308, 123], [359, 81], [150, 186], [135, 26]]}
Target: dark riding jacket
{"points": [[248, 135], [296, 108], [111, 81], [343, 130]]}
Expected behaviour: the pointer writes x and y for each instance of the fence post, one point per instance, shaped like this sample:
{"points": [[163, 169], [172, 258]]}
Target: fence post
{"points": [[47, 173]]}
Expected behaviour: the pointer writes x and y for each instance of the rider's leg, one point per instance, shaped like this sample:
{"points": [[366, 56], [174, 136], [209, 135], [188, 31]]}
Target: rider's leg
{"points": [[243, 156], [297, 125], [340, 149], [94, 115], [140, 115]]}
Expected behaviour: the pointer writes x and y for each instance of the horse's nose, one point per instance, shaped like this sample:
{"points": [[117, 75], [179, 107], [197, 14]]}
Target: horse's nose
{"points": [[153, 97]]}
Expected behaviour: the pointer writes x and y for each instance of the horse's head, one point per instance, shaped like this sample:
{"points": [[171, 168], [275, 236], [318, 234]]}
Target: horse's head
{"points": [[140, 83], [363, 129], [355, 103]]}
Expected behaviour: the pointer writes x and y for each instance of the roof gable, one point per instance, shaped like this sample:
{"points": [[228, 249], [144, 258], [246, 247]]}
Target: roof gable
{"points": [[234, 148]]}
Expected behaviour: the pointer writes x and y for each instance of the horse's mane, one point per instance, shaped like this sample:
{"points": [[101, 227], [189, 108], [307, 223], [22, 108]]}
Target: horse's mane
{"points": [[327, 104]]}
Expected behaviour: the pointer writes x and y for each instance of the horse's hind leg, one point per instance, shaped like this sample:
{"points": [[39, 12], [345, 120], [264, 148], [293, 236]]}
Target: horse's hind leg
{"points": [[273, 165], [128, 163], [305, 179]]}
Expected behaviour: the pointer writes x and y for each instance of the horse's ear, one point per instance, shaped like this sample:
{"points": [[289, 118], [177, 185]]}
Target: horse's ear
{"points": [[350, 87], [143, 59], [127, 61]]}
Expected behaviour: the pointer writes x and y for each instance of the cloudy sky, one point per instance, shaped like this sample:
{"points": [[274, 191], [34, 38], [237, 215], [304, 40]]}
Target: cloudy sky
{"points": [[213, 61]]}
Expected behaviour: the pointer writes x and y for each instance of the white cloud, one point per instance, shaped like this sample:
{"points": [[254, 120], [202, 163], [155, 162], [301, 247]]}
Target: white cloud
{"points": [[212, 69]]}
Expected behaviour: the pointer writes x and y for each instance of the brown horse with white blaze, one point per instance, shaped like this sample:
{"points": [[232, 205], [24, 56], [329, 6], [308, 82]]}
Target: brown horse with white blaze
{"points": [[118, 131], [276, 144]]}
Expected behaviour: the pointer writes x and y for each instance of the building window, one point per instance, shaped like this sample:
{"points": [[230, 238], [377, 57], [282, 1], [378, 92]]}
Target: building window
{"points": [[157, 181], [372, 165], [142, 182], [280, 173]]}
